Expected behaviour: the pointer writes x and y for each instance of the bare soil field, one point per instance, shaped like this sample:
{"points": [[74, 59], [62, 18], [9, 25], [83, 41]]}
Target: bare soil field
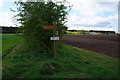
{"points": [[105, 44]]}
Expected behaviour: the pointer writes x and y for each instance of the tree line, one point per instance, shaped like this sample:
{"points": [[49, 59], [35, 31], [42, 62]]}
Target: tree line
{"points": [[5, 29]]}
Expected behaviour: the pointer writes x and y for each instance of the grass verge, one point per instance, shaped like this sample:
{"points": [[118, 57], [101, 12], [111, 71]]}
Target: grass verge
{"points": [[71, 63]]}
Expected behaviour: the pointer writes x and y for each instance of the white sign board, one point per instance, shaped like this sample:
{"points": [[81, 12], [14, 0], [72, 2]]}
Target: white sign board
{"points": [[54, 38]]}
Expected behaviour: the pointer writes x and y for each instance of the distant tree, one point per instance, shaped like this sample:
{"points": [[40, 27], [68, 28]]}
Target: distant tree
{"points": [[35, 15], [10, 29]]}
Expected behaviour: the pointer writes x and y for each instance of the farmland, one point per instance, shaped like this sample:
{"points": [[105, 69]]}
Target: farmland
{"points": [[9, 41], [71, 62], [105, 44]]}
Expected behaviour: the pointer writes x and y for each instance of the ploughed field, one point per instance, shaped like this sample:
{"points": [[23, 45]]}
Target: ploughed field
{"points": [[105, 44]]}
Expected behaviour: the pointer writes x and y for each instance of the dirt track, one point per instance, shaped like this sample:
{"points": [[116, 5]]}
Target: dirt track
{"points": [[99, 43]]}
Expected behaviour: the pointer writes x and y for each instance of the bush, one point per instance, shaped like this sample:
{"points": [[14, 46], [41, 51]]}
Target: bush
{"points": [[33, 16]]}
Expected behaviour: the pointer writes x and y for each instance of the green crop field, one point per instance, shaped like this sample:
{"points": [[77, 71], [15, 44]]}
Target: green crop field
{"points": [[71, 62], [8, 42], [0, 56], [0, 44]]}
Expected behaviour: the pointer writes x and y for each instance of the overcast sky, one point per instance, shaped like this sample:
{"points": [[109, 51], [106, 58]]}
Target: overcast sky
{"points": [[85, 14]]}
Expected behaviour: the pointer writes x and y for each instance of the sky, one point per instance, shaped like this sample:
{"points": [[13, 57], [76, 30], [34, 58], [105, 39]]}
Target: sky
{"points": [[84, 15]]}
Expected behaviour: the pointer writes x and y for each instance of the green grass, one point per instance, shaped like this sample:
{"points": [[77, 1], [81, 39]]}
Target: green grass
{"points": [[0, 56], [71, 63], [8, 42], [0, 45]]}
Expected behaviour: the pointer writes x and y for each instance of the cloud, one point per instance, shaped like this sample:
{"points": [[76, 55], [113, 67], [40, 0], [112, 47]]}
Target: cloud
{"points": [[6, 16], [93, 15], [85, 14], [92, 21], [6, 19], [113, 17], [92, 28], [100, 24], [91, 7], [1, 3]]}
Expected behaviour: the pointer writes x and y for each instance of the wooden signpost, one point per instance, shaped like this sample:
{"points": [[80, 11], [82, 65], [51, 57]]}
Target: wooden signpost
{"points": [[53, 27], [48, 27]]}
